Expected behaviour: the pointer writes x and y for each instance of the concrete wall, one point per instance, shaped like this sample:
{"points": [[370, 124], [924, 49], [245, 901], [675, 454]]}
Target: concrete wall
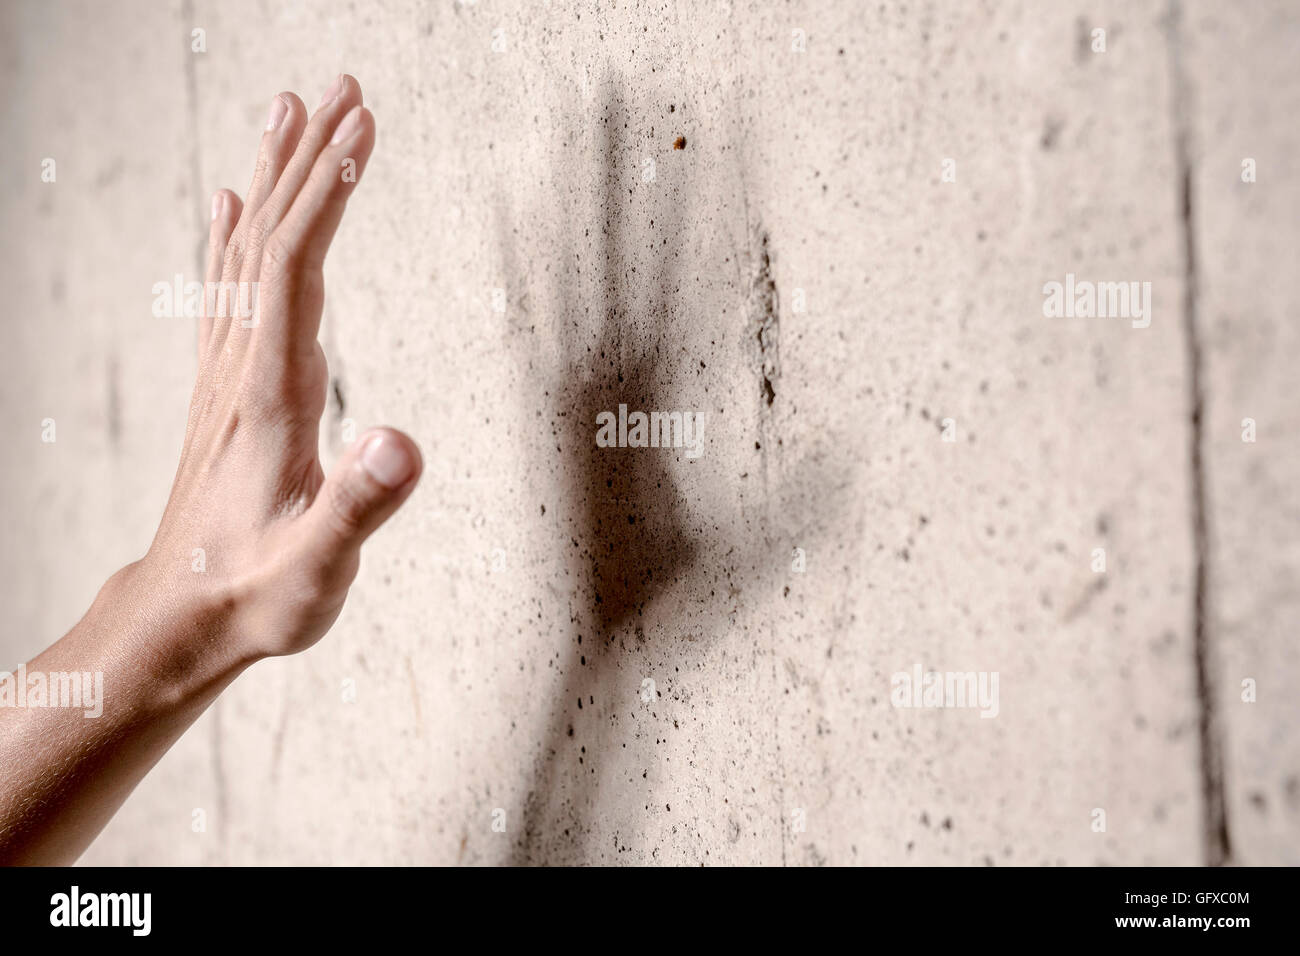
{"points": [[802, 273]]}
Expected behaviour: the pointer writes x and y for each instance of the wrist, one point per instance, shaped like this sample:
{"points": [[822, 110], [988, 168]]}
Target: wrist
{"points": [[171, 640]]}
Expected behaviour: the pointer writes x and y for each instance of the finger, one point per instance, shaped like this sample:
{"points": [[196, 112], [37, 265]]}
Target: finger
{"points": [[226, 207], [291, 283], [284, 127], [368, 484], [338, 100]]}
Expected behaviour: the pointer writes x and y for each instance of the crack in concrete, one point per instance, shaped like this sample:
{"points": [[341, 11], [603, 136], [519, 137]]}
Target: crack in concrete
{"points": [[765, 322], [1218, 845]]}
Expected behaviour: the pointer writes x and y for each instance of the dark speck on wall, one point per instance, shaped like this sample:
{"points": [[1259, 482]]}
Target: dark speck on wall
{"points": [[1051, 133]]}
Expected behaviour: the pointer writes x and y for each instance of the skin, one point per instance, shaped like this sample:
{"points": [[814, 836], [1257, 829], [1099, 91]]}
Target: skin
{"points": [[281, 542]]}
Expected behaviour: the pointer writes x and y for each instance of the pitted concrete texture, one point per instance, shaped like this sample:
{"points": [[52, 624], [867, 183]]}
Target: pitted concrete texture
{"points": [[825, 226]]}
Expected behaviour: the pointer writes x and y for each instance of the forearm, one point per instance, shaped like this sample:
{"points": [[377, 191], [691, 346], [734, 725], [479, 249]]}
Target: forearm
{"points": [[64, 770]]}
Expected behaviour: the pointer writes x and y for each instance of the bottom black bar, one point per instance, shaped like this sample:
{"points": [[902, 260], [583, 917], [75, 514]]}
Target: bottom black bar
{"points": [[301, 906]]}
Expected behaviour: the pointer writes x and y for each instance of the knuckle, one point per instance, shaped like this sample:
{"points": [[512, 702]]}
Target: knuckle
{"points": [[235, 247], [262, 167], [259, 230], [310, 375], [323, 583], [318, 584], [279, 257]]}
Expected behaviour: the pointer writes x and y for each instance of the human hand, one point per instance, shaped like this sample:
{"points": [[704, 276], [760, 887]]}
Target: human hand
{"points": [[280, 543]]}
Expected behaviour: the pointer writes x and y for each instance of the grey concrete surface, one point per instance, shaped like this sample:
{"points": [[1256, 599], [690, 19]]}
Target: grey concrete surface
{"points": [[802, 272]]}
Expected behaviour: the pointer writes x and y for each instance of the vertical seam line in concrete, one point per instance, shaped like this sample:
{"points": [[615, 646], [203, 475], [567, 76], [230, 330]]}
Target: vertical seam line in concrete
{"points": [[192, 108], [780, 763], [1217, 843], [196, 178]]}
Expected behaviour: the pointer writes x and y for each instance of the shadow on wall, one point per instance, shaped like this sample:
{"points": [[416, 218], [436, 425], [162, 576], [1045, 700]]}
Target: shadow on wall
{"points": [[627, 534]]}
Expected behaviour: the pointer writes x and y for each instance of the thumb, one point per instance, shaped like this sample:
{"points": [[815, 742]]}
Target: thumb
{"points": [[367, 485]]}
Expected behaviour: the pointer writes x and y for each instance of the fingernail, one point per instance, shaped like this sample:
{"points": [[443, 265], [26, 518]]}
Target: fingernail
{"points": [[387, 461], [351, 123], [333, 92], [218, 203], [278, 110]]}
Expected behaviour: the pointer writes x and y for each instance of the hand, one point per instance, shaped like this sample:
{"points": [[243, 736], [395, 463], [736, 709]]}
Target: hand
{"points": [[280, 543]]}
